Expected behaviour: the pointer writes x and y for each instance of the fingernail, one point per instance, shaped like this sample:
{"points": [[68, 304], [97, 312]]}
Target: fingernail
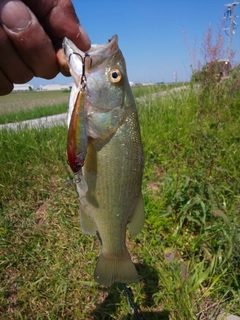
{"points": [[85, 38], [15, 15]]}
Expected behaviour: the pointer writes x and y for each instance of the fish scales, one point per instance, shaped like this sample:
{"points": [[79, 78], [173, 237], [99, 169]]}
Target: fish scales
{"points": [[114, 162], [115, 191]]}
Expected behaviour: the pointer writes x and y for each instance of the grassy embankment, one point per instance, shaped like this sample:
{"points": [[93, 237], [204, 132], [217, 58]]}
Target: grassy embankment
{"points": [[189, 251]]}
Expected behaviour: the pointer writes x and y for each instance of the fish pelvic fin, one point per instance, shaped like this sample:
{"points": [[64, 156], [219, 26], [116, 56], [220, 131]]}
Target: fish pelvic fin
{"points": [[137, 222], [87, 224], [115, 269], [80, 181]]}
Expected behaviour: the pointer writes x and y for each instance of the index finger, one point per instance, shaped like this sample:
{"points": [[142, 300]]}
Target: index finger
{"points": [[60, 20]]}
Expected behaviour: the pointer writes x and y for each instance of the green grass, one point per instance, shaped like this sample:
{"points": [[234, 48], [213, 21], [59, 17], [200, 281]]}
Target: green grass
{"points": [[191, 194]]}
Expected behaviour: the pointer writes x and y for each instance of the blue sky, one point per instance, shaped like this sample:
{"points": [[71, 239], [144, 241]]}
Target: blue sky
{"points": [[151, 33]]}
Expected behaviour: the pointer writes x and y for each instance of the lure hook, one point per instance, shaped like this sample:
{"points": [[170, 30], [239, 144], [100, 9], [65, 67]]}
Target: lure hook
{"points": [[83, 77]]}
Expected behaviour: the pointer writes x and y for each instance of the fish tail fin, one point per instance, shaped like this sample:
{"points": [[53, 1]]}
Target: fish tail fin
{"points": [[115, 269]]}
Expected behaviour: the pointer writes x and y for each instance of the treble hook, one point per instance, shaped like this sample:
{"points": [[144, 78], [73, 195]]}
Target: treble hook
{"points": [[83, 77]]}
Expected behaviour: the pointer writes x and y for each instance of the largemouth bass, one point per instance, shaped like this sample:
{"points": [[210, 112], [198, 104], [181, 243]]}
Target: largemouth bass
{"points": [[114, 161]]}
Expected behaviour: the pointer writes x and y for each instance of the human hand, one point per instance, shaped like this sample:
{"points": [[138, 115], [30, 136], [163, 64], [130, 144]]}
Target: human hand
{"points": [[30, 39]]}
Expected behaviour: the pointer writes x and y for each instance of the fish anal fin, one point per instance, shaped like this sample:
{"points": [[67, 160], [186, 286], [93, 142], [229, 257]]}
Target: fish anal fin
{"points": [[115, 269], [87, 224], [137, 222]]}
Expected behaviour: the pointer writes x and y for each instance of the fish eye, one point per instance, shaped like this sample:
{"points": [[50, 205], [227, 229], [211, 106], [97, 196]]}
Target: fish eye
{"points": [[115, 75]]}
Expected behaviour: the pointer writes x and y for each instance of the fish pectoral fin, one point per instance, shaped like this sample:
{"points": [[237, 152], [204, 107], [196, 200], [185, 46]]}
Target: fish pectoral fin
{"points": [[137, 222], [115, 269], [87, 224]]}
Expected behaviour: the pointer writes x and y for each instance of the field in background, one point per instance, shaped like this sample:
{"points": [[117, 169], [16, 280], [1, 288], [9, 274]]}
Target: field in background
{"points": [[18, 101], [20, 106], [187, 255]]}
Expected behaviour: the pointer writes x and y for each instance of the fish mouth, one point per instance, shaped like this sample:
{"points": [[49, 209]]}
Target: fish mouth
{"points": [[97, 52], [104, 49]]}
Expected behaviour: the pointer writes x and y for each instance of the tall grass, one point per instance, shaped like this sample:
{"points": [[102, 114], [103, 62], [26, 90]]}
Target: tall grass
{"points": [[192, 164], [187, 255]]}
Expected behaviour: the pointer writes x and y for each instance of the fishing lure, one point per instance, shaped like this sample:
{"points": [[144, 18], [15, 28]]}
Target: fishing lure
{"points": [[77, 140]]}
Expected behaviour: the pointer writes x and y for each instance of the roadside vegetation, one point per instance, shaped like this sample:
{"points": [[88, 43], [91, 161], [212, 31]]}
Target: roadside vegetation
{"points": [[187, 256]]}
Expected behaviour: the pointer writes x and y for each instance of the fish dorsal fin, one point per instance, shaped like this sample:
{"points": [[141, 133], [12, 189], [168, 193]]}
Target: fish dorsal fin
{"points": [[137, 222]]}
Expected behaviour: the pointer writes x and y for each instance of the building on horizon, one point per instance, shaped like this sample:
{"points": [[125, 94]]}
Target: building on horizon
{"points": [[22, 87], [55, 87]]}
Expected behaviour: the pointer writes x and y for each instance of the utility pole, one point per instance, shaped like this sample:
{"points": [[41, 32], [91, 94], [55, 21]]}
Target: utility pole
{"points": [[231, 9]]}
